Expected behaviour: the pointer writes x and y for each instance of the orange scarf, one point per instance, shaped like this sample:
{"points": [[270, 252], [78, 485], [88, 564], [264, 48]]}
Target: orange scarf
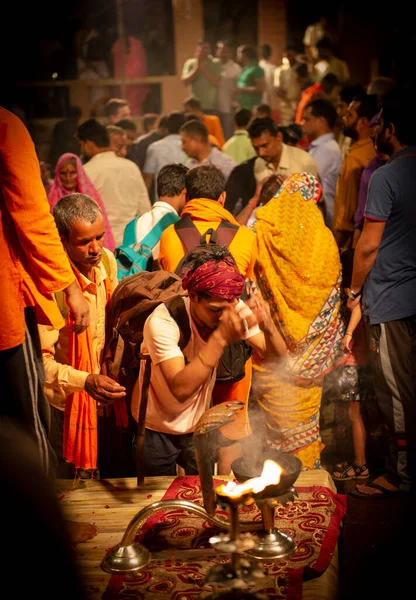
{"points": [[80, 444], [204, 209]]}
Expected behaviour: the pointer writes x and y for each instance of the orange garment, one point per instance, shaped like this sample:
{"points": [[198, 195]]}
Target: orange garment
{"points": [[213, 141], [213, 124], [80, 444], [306, 97], [33, 263], [207, 214], [348, 187]]}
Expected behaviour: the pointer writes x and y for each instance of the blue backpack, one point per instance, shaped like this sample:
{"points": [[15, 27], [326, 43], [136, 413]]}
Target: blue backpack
{"points": [[134, 258]]}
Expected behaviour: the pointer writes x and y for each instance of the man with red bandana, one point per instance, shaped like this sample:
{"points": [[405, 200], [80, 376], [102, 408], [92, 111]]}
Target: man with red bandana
{"points": [[181, 382]]}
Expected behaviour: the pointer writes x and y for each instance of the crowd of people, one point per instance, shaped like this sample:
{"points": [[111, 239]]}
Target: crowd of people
{"points": [[283, 199]]}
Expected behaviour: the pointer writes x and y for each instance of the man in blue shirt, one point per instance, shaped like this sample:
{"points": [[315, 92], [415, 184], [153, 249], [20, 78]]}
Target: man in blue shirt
{"points": [[319, 117], [385, 264]]}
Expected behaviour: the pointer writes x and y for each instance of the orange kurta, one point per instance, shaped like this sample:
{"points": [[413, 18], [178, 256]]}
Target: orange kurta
{"points": [[348, 187], [213, 124], [33, 263]]}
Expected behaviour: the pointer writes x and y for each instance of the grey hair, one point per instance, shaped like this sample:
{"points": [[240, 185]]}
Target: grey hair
{"points": [[75, 207]]}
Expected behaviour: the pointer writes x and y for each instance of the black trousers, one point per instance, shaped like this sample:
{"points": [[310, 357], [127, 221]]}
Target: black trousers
{"points": [[22, 397], [394, 347], [163, 451]]}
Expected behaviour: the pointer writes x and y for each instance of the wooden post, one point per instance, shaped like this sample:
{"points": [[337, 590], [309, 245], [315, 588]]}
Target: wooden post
{"points": [[121, 36], [272, 28]]}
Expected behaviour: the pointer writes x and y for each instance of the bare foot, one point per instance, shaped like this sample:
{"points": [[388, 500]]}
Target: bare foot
{"points": [[80, 531], [381, 481]]}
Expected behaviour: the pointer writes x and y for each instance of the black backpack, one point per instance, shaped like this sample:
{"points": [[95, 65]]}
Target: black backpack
{"points": [[234, 357]]}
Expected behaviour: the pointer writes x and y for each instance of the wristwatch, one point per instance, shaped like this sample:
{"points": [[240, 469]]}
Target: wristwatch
{"points": [[353, 295]]}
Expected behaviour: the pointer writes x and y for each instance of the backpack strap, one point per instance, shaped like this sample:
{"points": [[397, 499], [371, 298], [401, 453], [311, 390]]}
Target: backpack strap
{"points": [[226, 233], [190, 237], [187, 233], [178, 312], [129, 236], [141, 420], [152, 238]]}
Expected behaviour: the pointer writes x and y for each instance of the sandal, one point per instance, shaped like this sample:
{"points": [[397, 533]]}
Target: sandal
{"points": [[351, 471], [384, 492]]}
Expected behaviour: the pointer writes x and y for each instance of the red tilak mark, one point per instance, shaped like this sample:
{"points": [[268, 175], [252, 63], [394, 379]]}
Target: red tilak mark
{"points": [[149, 496], [106, 506]]}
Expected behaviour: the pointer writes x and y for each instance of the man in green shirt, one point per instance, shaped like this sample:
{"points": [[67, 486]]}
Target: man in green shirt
{"points": [[239, 146], [251, 83], [202, 75]]}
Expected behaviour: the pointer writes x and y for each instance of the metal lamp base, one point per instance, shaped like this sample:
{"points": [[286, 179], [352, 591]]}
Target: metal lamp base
{"points": [[125, 559], [273, 545]]}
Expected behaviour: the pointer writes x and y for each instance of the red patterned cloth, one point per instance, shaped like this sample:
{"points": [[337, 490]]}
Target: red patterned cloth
{"points": [[219, 279], [313, 520]]}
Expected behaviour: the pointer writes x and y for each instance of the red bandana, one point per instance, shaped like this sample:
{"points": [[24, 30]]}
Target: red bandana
{"points": [[219, 279]]}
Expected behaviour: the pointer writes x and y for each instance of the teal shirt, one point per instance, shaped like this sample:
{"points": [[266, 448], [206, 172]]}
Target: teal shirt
{"points": [[248, 78], [201, 87]]}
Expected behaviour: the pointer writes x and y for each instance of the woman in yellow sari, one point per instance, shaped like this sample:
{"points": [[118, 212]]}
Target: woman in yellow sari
{"points": [[299, 273]]}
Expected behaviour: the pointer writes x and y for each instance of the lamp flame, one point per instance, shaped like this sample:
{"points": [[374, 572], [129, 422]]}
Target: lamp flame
{"points": [[285, 61], [269, 476]]}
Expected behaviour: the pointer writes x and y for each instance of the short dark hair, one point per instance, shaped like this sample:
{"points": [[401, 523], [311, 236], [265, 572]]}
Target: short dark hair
{"points": [[163, 122], [368, 106], [127, 124], [113, 106], [262, 125], [398, 105], [249, 51], [264, 108], [192, 102], [203, 41], [74, 207], [171, 180], [302, 70], [204, 182], [242, 117], [349, 92], [174, 121], [265, 50], [323, 108], [148, 120], [269, 189], [93, 131], [195, 128], [292, 133]]}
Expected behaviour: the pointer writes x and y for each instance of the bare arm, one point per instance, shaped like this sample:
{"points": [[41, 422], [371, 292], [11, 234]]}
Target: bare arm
{"points": [[184, 380], [191, 75], [269, 343], [365, 255]]}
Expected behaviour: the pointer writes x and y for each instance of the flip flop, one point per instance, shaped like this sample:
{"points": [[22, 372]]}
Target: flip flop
{"points": [[375, 486]]}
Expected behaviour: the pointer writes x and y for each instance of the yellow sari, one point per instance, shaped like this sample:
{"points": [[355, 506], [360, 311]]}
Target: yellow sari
{"points": [[299, 273]]}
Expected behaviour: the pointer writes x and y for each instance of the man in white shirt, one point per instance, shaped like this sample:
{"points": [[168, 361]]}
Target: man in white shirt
{"points": [[181, 382], [319, 118], [313, 34], [230, 72], [164, 151], [171, 192], [286, 87], [195, 144], [273, 156], [117, 179]]}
